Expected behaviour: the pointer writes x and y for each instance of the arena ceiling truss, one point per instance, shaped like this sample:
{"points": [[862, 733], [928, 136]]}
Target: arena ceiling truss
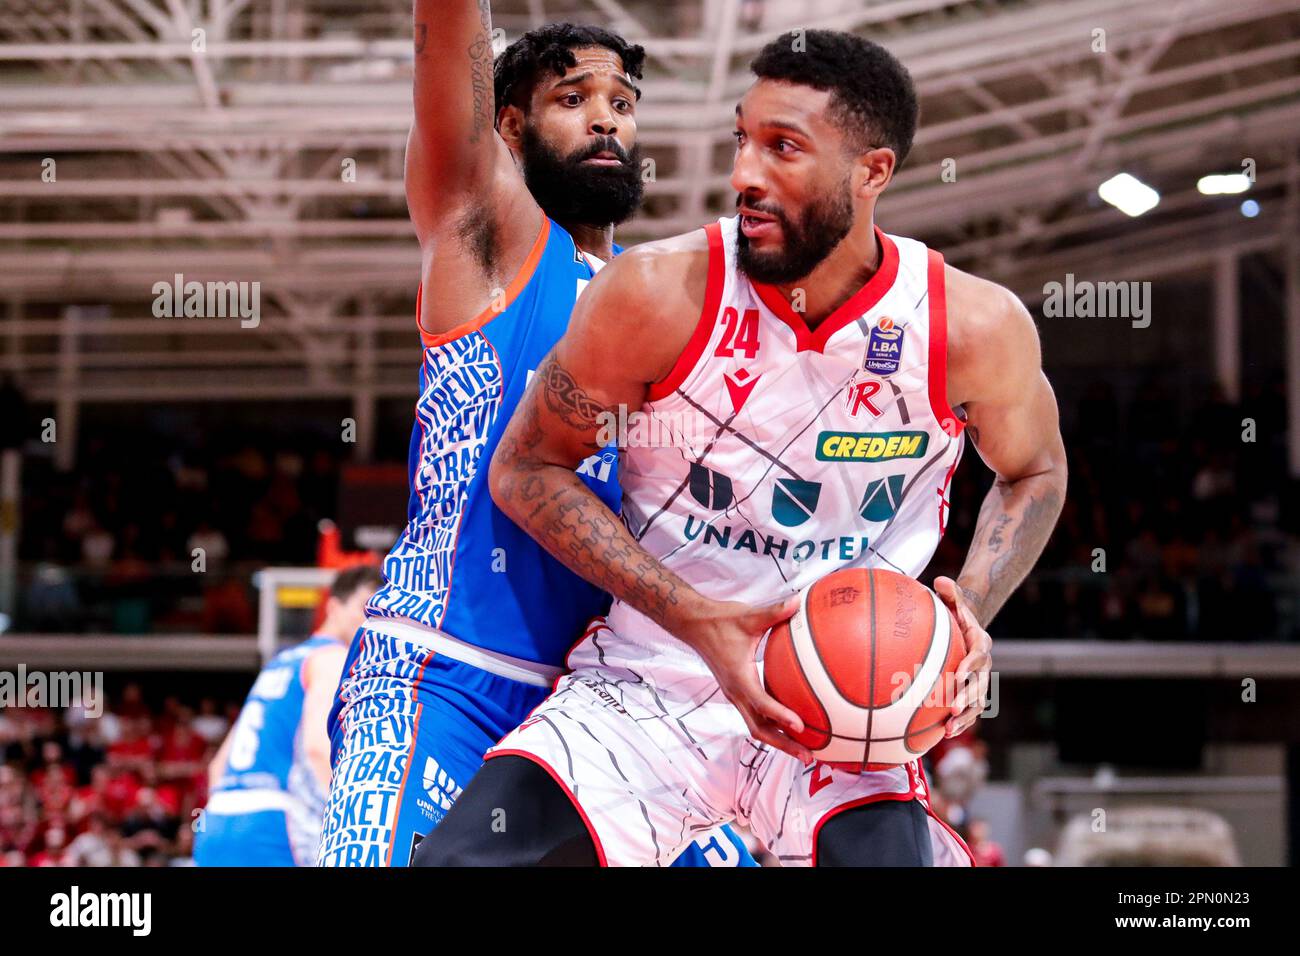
{"points": [[227, 160]]}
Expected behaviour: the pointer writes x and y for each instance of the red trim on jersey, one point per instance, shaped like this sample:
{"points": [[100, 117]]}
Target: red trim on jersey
{"points": [[591, 831], [704, 328], [857, 305], [938, 371], [516, 286], [594, 626], [424, 361], [913, 793], [944, 502]]}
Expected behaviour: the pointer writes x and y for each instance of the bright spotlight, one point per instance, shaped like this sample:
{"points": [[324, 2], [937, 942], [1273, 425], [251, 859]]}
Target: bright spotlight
{"points": [[1128, 194], [1223, 184], [1250, 209]]}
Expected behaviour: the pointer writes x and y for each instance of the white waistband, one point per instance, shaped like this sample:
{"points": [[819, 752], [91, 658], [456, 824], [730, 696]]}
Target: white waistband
{"points": [[232, 802], [503, 665]]}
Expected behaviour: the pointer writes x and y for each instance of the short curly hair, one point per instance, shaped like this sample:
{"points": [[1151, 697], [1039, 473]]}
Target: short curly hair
{"points": [[872, 96], [550, 49]]}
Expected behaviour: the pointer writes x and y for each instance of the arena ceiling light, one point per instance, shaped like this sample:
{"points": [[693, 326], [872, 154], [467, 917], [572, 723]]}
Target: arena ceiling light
{"points": [[1223, 184], [1128, 194]]}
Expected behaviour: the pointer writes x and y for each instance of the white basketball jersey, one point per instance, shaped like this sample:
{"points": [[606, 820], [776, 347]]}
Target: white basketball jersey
{"points": [[773, 454]]}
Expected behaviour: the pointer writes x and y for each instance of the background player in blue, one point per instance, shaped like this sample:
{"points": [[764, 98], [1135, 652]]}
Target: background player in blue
{"points": [[515, 177], [268, 779]]}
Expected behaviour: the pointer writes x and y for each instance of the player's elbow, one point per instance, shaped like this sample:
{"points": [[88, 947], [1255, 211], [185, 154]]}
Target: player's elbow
{"points": [[503, 479], [1058, 463]]}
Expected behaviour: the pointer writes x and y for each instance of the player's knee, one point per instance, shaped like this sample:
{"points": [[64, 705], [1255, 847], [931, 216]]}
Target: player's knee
{"points": [[511, 814], [443, 847], [887, 833]]}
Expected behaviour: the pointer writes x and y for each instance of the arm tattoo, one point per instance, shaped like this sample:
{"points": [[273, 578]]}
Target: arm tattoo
{"points": [[566, 399], [480, 72], [1023, 511], [555, 507], [575, 526], [995, 536]]}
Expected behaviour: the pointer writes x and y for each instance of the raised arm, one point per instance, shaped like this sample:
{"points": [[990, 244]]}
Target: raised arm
{"points": [[626, 332], [453, 153], [1012, 420]]}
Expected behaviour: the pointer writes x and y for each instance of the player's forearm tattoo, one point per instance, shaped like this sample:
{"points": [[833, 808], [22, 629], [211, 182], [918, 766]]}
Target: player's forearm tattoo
{"points": [[576, 527], [480, 72], [1014, 524], [562, 514]]}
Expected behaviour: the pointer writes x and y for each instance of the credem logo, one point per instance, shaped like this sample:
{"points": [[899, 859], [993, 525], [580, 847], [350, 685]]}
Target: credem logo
{"points": [[878, 446]]}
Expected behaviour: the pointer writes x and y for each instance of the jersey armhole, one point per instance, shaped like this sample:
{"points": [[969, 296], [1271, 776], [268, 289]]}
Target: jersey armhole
{"points": [[496, 308], [704, 328], [948, 419]]}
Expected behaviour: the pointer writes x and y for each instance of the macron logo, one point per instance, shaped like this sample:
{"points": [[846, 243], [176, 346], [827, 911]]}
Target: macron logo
{"points": [[134, 910]]}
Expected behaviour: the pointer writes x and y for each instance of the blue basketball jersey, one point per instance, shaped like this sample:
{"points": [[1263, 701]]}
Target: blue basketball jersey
{"points": [[265, 749], [409, 727], [449, 568]]}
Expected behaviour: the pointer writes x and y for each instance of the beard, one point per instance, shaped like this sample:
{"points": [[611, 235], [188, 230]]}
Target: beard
{"points": [[570, 192], [805, 243]]}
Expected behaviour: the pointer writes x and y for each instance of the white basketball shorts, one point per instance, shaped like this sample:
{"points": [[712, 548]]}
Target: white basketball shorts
{"points": [[652, 754]]}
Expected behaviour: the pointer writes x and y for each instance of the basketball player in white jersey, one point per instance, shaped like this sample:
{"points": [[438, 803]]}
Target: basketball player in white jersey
{"points": [[821, 377]]}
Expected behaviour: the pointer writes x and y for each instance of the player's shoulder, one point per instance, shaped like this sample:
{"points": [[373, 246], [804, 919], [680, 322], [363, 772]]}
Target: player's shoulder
{"points": [[654, 280], [990, 334], [646, 303], [981, 305], [677, 259], [323, 658]]}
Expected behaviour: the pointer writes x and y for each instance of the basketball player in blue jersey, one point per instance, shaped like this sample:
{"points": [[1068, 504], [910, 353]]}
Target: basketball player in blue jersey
{"points": [[515, 177], [268, 780]]}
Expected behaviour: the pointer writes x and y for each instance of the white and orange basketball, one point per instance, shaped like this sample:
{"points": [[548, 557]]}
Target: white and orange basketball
{"points": [[869, 662]]}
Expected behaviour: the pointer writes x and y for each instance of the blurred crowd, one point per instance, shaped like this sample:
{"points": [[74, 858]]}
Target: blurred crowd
{"points": [[1175, 528], [1179, 525], [122, 789], [117, 550], [126, 788]]}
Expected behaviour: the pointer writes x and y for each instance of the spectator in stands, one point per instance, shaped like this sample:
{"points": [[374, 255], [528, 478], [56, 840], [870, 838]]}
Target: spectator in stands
{"points": [[134, 751], [982, 845], [227, 609], [209, 724], [97, 547], [99, 845], [210, 543]]}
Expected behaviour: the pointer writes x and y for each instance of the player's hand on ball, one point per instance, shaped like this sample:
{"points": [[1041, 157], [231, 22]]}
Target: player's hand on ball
{"points": [[726, 634], [972, 684]]}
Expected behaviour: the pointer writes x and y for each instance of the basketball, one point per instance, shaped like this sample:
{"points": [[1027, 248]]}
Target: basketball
{"points": [[868, 662]]}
